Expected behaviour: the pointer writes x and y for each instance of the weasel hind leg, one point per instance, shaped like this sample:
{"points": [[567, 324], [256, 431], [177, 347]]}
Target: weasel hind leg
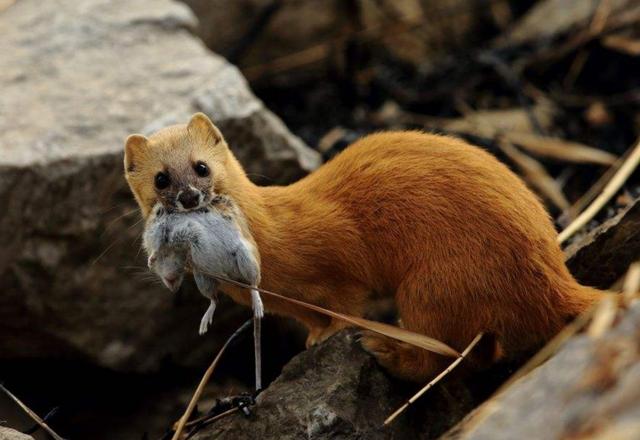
{"points": [[421, 315]]}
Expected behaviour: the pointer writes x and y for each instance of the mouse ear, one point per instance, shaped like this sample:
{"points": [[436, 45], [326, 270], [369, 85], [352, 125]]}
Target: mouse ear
{"points": [[201, 127], [134, 145]]}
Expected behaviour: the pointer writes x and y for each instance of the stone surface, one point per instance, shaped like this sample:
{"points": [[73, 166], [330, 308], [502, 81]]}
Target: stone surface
{"points": [[334, 389], [603, 255], [12, 434], [589, 389], [337, 391], [77, 76]]}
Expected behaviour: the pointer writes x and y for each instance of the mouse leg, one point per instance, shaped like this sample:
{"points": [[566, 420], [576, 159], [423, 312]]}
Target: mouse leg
{"points": [[208, 287], [256, 304], [207, 318]]}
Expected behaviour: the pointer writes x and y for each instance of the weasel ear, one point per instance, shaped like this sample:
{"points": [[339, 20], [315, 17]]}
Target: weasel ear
{"points": [[133, 146], [202, 128]]}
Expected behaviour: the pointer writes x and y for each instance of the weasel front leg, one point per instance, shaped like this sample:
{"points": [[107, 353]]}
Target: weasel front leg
{"points": [[355, 306], [319, 334]]}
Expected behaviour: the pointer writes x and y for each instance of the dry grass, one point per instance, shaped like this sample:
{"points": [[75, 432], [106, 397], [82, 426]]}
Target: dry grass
{"points": [[616, 182], [31, 414], [400, 334], [437, 379], [203, 382]]}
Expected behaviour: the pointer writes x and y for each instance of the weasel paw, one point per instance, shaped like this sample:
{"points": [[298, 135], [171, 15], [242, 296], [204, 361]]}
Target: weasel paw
{"points": [[381, 347], [313, 337]]}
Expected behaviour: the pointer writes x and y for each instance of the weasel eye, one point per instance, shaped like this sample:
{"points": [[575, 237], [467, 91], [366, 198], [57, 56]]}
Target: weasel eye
{"points": [[162, 180], [201, 169]]}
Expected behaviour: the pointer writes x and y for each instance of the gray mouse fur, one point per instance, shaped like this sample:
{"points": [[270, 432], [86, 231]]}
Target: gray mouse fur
{"points": [[208, 240]]}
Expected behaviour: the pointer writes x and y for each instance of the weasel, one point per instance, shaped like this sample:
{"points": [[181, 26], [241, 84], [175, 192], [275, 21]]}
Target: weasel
{"points": [[442, 226]]}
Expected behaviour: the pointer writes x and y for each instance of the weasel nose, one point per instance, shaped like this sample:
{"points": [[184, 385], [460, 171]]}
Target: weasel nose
{"points": [[189, 199]]}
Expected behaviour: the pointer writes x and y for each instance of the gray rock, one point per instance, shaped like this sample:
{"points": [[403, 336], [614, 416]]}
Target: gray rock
{"points": [[12, 434], [77, 76], [603, 255], [337, 391], [590, 389], [334, 390]]}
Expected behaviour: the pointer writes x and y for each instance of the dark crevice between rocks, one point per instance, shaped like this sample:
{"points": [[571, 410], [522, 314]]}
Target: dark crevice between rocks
{"points": [[119, 405]]}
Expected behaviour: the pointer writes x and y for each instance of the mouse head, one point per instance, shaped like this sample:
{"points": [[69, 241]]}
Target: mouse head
{"points": [[179, 166], [169, 264], [168, 252]]}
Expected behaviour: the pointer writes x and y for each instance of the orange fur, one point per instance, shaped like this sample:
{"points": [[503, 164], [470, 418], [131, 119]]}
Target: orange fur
{"points": [[443, 226]]}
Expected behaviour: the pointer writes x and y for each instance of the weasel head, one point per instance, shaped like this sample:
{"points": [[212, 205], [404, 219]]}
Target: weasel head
{"points": [[179, 167]]}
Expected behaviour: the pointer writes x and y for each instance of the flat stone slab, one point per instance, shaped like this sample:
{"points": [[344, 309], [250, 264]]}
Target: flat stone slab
{"points": [[589, 389], [77, 77]]}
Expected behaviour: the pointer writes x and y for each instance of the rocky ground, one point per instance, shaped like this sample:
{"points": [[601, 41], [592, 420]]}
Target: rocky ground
{"points": [[83, 326]]}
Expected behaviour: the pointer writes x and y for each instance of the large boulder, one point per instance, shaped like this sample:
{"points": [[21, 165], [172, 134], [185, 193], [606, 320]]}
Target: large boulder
{"points": [[77, 76], [12, 434], [590, 389], [336, 390]]}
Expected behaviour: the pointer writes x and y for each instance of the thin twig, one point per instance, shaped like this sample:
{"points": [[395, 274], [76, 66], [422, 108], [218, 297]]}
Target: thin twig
{"points": [[207, 420], [409, 337], [437, 379], [600, 16], [603, 317], [535, 173], [609, 191], [595, 189], [515, 83], [205, 380], [31, 414]]}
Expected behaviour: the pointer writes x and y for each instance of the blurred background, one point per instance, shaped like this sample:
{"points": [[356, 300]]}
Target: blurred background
{"points": [[551, 87]]}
